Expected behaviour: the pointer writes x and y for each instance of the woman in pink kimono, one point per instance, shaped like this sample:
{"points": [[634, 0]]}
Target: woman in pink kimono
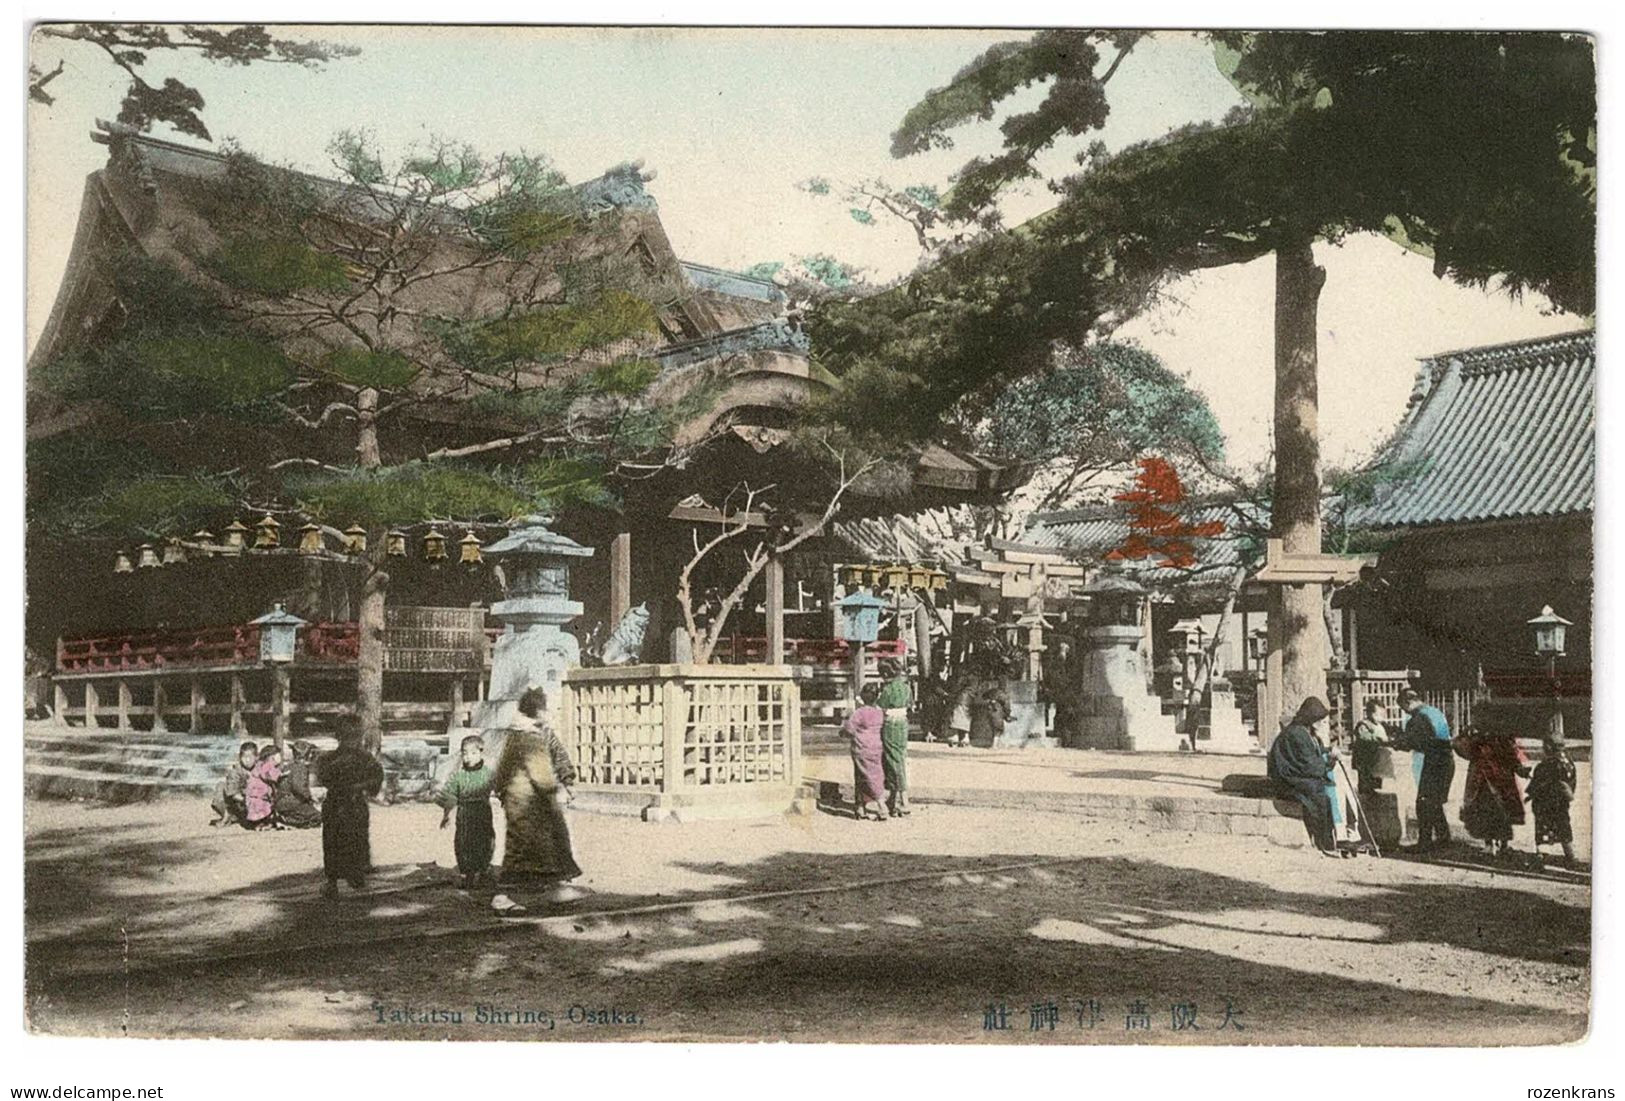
{"points": [[260, 791], [862, 728]]}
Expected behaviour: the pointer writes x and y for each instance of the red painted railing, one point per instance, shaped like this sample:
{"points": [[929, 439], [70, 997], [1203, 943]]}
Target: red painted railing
{"points": [[833, 653], [231, 645]]}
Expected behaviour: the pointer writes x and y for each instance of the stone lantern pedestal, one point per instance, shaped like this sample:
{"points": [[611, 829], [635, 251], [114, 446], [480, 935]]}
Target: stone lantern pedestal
{"points": [[1116, 708]]}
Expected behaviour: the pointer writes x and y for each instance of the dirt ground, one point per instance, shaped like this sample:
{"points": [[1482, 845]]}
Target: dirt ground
{"points": [[942, 927]]}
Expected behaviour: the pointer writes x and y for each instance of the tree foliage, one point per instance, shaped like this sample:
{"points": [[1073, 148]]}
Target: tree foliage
{"points": [[149, 99]]}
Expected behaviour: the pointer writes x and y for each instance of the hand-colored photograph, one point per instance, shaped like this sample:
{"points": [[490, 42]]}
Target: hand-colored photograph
{"points": [[883, 536]]}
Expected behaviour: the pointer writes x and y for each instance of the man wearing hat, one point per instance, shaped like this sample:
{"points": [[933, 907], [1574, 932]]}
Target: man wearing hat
{"points": [[1301, 766], [1427, 732]]}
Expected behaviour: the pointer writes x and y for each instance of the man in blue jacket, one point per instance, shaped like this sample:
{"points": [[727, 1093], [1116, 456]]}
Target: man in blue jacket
{"points": [[1428, 733]]}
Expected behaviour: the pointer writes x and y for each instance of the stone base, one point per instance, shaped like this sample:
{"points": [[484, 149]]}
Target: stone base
{"points": [[750, 801]]}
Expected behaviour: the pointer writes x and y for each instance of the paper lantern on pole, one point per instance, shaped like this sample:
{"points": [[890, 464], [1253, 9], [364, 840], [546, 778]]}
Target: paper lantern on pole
{"points": [[1551, 633], [395, 543], [267, 533], [434, 546], [147, 557], [174, 553], [310, 539], [121, 563], [279, 634], [355, 539], [470, 544], [236, 537]]}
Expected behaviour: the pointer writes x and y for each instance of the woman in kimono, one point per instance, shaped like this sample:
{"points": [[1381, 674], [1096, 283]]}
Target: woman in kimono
{"points": [[259, 791], [531, 774], [351, 777], [1300, 766], [1491, 804], [295, 805], [863, 730], [893, 702]]}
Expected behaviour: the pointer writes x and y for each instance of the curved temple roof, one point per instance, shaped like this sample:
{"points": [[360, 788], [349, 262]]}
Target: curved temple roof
{"points": [[1495, 433]]}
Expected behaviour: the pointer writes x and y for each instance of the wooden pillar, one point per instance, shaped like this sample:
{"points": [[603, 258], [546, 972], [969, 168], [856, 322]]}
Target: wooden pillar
{"points": [[1270, 711], [124, 705], [195, 709], [92, 704], [620, 577], [280, 707], [456, 702], [774, 575], [61, 692], [237, 727], [160, 703]]}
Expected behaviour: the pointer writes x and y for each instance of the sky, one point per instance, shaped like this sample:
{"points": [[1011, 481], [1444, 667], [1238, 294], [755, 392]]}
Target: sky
{"points": [[731, 120]]}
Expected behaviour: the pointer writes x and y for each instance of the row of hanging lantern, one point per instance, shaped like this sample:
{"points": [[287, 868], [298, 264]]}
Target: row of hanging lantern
{"points": [[893, 576], [267, 536]]}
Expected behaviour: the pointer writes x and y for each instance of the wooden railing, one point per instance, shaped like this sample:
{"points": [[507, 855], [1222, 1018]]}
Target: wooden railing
{"points": [[834, 653], [684, 735]]}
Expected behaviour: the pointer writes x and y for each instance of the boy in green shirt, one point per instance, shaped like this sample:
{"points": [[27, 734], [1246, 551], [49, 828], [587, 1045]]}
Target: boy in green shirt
{"points": [[468, 792]]}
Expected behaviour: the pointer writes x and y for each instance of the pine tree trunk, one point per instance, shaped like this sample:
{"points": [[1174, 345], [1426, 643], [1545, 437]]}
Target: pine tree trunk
{"points": [[1295, 512], [369, 672], [369, 669]]}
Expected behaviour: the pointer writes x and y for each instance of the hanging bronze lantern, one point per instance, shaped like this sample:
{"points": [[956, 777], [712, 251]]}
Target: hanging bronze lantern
{"points": [[939, 581], [203, 541], [434, 546], [147, 557], [470, 545], [236, 537], [174, 553], [919, 577], [121, 563], [267, 533], [395, 543], [355, 539], [851, 575], [310, 539], [896, 576]]}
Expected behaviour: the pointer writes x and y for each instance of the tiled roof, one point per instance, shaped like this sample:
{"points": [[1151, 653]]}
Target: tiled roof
{"points": [[1091, 532], [1494, 433]]}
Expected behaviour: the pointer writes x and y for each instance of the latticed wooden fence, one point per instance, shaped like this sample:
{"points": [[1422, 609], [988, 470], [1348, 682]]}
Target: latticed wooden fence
{"points": [[709, 738]]}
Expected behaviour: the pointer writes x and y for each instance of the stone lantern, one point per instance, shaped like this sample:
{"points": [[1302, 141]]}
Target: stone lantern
{"points": [[534, 649], [1117, 711]]}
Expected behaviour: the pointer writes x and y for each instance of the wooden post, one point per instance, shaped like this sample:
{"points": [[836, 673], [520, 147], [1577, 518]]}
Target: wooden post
{"points": [[160, 703], [195, 709], [124, 705], [620, 577], [61, 691], [237, 727], [671, 735], [456, 702], [279, 705], [92, 703], [774, 576], [1273, 703]]}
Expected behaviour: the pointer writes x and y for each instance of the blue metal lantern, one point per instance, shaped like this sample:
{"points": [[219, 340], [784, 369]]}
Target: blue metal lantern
{"points": [[279, 634], [860, 613]]}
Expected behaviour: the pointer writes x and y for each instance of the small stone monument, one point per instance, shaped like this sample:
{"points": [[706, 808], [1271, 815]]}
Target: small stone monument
{"points": [[1224, 732], [534, 648], [1116, 709]]}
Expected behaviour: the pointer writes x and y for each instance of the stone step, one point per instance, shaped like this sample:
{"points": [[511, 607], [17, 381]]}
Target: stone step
{"points": [[224, 751], [60, 782], [139, 768]]}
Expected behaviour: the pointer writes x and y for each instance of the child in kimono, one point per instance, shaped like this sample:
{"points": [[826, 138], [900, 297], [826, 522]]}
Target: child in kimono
{"points": [[1550, 793], [468, 793], [863, 730], [230, 803], [259, 791]]}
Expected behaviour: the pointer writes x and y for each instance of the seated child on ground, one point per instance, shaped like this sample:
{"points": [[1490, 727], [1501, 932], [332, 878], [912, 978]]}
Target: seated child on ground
{"points": [[260, 790], [230, 804]]}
